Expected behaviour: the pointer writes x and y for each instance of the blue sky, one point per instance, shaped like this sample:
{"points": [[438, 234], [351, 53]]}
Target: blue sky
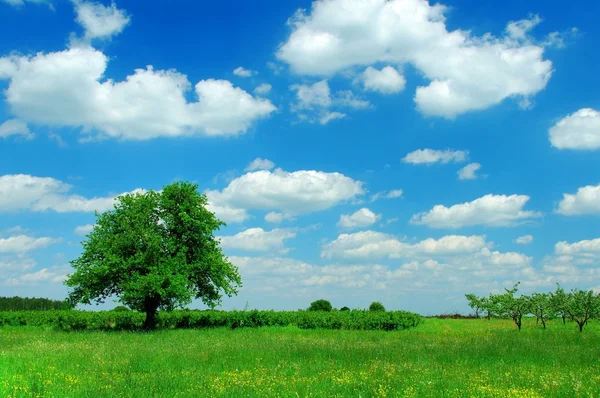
{"points": [[399, 151]]}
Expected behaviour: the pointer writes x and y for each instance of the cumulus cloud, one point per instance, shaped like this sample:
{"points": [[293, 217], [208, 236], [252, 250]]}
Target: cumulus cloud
{"points": [[386, 81], [99, 21], [84, 229], [524, 240], [263, 89], [15, 127], [257, 239], [359, 219], [274, 217], [260, 164], [468, 172], [297, 192], [68, 88], [243, 72], [24, 243], [314, 95], [465, 72], [585, 201], [431, 156], [25, 192], [55, 274], [580, 130], [584, 247], [490, 210]]}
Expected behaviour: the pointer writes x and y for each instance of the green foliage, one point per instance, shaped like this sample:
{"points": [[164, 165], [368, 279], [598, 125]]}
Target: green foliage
{"points": [[344, 308], [559, 301], [475, 303], [320, 305], [582, 306], [376, 306], [32, 304], [155, 250], [120, 308], [511, 306], [540, 306]]}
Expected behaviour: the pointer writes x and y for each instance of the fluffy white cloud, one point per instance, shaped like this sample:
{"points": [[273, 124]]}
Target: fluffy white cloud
{"points": [[99, 21], [468, 172], [524, 240], [257, 239], [15, 127], [16, 263], [297, 192], [55, 274], [243, 72], [263, 89], [227, 213], [260, 164], [68, 88], [465, 72], [368, 244], [430, 156], [25, 192], [274, 217], [393, 194], [314, 95], [359, 219], [386, 81], [84, 229], [24, 243], [19, 3], [585, 201], [329, 116], [584, 247], [580, 130], [489, 210]]}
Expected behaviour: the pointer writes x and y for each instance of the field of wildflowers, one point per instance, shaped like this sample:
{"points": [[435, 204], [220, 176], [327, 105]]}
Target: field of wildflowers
{"points": [[440, 358]]}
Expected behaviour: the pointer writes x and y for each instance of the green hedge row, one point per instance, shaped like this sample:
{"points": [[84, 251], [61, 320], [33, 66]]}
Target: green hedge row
{"points": [[113, 320]]}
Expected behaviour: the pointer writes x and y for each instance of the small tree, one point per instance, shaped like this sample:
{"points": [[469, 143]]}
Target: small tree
{"points": [[541, 308], [155, 250], [513, 307], [582, 306], [344, 309], [474, 303], [320, 305], [559, 301], [376, 306]]}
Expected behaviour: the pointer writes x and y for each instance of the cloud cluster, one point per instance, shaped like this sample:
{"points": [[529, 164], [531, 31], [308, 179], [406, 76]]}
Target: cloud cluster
{"points": [[580, 130], [465, 72], [257, 239], [585, 201], [359, 219], [99, 21]]}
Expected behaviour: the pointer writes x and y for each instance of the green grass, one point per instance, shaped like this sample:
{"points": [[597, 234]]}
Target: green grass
{"points": [[441, 358]]}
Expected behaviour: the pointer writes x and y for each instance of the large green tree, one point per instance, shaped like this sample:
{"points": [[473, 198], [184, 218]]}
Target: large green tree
{"points": [[154, 250]]}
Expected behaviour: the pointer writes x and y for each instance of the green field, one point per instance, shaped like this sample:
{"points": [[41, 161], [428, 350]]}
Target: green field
{"points": [[441, 358]]}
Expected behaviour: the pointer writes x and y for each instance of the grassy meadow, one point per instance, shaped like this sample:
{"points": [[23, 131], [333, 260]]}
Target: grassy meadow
{"points": [[440, 358]]}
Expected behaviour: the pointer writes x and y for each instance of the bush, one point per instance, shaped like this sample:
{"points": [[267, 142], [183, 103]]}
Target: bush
{"points": [[120, 308], [320, 305], [344, 309], [376, 306]]}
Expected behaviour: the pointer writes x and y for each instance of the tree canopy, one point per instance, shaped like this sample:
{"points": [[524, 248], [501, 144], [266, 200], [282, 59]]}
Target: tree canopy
{"points": [[154, 250]]}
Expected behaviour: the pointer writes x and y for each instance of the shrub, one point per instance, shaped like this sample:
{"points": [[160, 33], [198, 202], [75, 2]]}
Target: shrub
{"points": [[344, 309], [120, 308], [376, 306], [320, 305]]}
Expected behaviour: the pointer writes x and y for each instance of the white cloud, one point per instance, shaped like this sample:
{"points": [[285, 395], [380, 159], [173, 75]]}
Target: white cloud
{"points": [[243, 72], [359, 219], [15, 127], [297, 192], [430, 156], [274, 217], [263, 89], [347, 99], [84, 229], [260, 164], [25, 192], [227, 213], [584, 247], [524, 240], [468, 172], [314, 95], [386, 81], [99, 21], [490, 210], [68, 88], [465, 72], [55, 274], [17, 262], [257, 239], [24, 243], [329, 116], [19, 3], [393, 194], [585, 201], [580, 130], [368, 244]]}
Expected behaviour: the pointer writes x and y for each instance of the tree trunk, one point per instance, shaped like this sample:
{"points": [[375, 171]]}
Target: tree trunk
{"points": [[537, 320], [580, 326], [544, 323], [564, 321], [151, 311]]}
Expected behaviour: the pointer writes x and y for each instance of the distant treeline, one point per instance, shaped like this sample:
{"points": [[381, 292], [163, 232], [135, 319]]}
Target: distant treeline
{"points": [[32, 304]]}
